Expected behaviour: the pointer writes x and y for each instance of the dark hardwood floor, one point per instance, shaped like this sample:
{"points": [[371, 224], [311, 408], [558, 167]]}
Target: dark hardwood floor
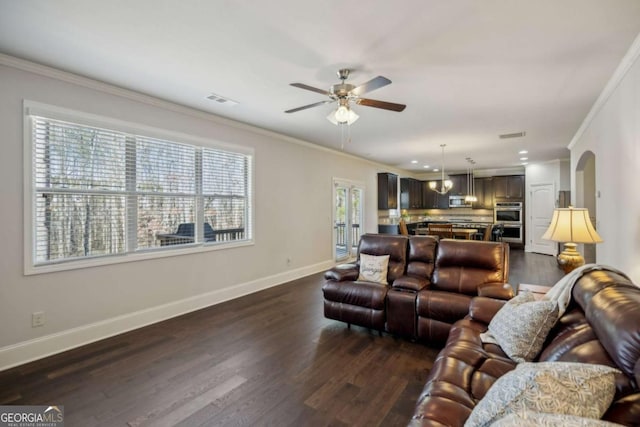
{"points": [[269, 358], [527, 267]]}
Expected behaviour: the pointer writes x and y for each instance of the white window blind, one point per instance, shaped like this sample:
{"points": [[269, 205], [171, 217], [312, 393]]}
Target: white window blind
{"points": [[224, 188], [165, 177], [100, 192]]}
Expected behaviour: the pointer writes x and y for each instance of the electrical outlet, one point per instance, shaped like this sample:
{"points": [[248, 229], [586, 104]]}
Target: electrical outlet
{"points": [[37, 319]]}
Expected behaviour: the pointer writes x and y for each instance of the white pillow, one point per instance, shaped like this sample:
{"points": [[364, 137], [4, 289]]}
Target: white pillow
{"points": [[522, 324], [580, 389], [374, 268], [540, 419]]}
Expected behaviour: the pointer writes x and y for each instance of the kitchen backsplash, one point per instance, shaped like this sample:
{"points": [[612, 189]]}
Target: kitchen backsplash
{"points": [[416, 215]]}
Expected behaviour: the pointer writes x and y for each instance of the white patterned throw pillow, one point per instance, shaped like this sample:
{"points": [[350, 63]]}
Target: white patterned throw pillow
{"points": [[540, 419], [374, 268], [522, 324], [579, 389]]}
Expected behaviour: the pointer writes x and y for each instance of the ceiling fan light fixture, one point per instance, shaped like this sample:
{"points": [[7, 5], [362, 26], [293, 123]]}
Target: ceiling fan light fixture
{"points": [[345, 94], [343, 115]]}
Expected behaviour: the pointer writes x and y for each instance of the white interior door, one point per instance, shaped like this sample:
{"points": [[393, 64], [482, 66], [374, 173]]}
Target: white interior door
{"points": [[541, 205], [348, 208]]}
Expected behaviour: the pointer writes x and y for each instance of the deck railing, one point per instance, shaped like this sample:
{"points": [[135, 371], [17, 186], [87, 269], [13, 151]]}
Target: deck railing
{"points": [[222, 235], [341, 237]]}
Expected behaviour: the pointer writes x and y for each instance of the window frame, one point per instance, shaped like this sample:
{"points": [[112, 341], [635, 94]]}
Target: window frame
{"points": [[33, 108]]}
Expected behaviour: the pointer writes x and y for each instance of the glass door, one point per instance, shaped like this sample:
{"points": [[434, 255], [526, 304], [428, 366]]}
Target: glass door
{"points": [[348, 199]]}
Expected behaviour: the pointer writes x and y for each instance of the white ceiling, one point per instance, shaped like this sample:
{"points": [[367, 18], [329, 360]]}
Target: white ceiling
{"points": [[467, 70]]}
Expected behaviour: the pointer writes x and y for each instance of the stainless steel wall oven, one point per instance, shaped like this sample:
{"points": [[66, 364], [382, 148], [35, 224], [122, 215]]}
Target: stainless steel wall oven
{"points": [[510, 214], [507, 212]]}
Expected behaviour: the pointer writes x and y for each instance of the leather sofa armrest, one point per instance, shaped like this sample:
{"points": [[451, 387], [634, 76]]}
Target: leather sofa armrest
{"points": [[483, 309], [496, 290], [343, 273], [410, 283]]}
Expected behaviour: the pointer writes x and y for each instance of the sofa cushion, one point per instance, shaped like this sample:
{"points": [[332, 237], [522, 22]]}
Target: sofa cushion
{"points": [[437, 311], [420, 263], [374, 268], [361, 294], [580, 389], [421, 256], [541, 419], [463, 265], [522, 324]]}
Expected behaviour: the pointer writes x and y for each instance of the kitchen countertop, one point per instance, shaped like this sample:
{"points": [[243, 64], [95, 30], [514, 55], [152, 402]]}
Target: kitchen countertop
{"points": [[458, 219]]}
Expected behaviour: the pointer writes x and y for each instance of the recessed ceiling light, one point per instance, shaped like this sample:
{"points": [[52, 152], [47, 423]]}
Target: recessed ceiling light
{"points": [[426, 166], [524, 158], [524, 163], [414, 161], [436, 170], [522, 152]]}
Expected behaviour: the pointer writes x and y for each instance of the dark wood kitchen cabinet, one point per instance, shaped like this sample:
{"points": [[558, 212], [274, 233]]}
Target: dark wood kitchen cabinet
{"points": [[460, 186], [484, 193], [433, 200], [508, 187], [387, 191], [410, 193]]}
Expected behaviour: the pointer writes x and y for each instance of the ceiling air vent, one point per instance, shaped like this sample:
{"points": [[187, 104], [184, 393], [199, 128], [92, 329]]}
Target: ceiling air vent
{"points": [[222, 100], [513, 135]]}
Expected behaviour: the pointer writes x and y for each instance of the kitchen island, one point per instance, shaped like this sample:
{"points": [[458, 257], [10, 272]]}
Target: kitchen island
{"points": [[477, 222]]}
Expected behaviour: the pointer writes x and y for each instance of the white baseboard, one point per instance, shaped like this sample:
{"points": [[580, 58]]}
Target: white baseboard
{"points": [[28, 351]]}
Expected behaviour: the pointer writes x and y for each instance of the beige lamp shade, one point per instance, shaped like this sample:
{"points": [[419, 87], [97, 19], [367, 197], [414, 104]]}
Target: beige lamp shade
{"points": [[571, 225]]}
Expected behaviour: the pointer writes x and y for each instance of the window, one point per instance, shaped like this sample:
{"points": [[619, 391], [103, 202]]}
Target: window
{"points": [[101, 192]]}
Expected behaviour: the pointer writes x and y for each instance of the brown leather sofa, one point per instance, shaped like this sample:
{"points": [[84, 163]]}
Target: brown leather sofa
{"points": [[364, 303], [601, 325], [431, 284]]}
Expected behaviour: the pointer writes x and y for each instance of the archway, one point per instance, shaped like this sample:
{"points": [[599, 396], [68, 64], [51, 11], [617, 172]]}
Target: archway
{"points": [[585, 197]]}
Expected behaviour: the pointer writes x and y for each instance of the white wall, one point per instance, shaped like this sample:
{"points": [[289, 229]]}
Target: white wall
{"points": [[543, 173], [612, 132], [293, 195]]}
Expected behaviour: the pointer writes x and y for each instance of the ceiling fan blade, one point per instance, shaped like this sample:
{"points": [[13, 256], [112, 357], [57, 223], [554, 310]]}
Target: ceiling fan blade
{"points": [[373, 84], [315, 104], [380, 104], [311, 88]]}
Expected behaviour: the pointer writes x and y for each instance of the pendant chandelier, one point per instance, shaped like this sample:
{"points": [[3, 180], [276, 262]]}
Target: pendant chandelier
{"points": [[445, 185], [471, 193]]}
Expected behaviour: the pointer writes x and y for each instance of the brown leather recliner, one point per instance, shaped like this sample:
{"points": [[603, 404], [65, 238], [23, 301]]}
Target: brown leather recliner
{"points": [[601, 325], [463, 270], [363, 303], [430, 287]]}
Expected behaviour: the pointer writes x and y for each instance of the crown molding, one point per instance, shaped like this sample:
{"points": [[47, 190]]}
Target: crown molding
{"points": [[111, 89], [627, 62]]}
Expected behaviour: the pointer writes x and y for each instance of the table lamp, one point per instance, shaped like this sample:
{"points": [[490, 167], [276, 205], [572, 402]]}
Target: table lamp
{"points": [[571, 226]]}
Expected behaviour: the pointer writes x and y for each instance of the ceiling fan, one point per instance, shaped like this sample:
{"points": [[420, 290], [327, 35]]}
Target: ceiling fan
{"points": [[344, 94]]}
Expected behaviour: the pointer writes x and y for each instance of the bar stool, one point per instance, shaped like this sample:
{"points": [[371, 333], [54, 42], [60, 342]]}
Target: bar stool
{"points": [[498, 231], [486, 235]]}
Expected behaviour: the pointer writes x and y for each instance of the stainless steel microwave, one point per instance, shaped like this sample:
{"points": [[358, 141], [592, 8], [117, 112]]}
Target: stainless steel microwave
{"points": [[458, 202]]}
